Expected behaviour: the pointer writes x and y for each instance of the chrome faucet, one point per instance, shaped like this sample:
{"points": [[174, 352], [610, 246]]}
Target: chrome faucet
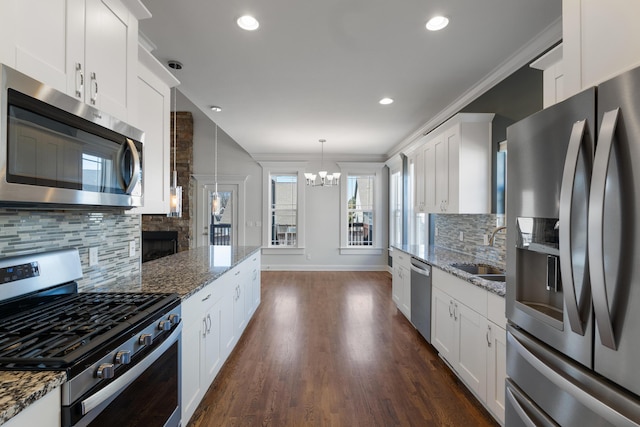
{"points": [[494, 232]]}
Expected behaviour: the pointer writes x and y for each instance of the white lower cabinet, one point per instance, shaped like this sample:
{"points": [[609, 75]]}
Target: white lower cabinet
{"points": [[464, 333], [401, 282], [214, 319], [44, 412]]}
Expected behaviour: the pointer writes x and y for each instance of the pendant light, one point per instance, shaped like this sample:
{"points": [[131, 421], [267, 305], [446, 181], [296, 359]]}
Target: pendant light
{"points": [[175, 192], [326, 180], [215, 197]]}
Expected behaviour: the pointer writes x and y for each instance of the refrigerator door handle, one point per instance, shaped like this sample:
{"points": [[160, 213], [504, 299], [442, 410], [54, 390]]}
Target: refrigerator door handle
{"points": [[556, 375], [596, 228], [579, 140]]}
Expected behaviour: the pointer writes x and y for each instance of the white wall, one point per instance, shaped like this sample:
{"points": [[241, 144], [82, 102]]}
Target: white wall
{"points": [[322, 208]]}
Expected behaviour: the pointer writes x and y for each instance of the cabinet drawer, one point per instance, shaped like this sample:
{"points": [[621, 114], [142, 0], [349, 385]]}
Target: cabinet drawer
{"points": [[194, 307], [470, 295]]}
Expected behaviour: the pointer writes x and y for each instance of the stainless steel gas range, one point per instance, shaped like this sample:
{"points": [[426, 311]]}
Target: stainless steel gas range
{"points": [[120, 351]]}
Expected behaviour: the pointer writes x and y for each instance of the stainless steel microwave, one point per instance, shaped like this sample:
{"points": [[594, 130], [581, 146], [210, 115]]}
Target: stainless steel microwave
{"points": [[58, 152]]}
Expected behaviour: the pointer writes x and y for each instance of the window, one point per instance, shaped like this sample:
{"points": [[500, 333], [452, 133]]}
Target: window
{"points": [[283, 214], [360, 210], [283, 199], [362, 215]]}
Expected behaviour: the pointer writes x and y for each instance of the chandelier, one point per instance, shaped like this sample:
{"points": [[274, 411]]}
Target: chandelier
{"points": [[326, 179]]}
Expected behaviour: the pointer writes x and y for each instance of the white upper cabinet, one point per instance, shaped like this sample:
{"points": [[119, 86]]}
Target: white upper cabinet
{"points": [[458, 165], [103, 47], [153, 89], [552, 76], [600, 41], [85, 48], [35, 43]]}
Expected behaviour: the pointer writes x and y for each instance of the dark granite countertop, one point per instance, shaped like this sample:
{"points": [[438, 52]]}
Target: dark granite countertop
{"points": [[183, 273], [443, 258]]}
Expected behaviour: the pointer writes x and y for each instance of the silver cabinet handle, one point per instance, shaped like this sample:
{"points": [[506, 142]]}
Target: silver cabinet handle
{"points": [[455, 311], [596, 228], [204, 327], [450, 307], [94, 89], [206, 298], [209, 323], [488, 335], [79, 80], [580, 142]]}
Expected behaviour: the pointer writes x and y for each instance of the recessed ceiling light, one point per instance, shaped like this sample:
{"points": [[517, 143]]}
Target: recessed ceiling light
{"points": [[437, 23], [248, 22], [215, 108], [386, 101]]}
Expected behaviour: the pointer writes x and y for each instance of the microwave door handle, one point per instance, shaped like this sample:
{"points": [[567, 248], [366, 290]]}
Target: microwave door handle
{"points": [[596, 228], [134, 172], [579, 139]]}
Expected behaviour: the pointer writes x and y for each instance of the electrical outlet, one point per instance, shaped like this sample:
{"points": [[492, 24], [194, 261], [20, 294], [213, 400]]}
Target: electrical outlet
{"points": [[308, 257], [132, 248], [461, 236], [485, 239], [436, 231], [93, 257]]}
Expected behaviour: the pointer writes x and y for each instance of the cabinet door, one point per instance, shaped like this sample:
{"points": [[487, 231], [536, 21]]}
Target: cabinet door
{"points": [[193, 384], [212, 356], [443, 325], [496, 369], [430, 197], [405, 294], [396, 284], [35, 43], [441, 173], [419, 182], [110, 56], [45, 412], [452, 142], [471, 363], [154, 119], [228, 335]]}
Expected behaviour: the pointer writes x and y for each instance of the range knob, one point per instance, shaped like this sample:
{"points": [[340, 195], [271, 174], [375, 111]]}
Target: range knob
{"points": [[164, 325], [174, 319], [145, 339], [123, 357], [105, 371]]}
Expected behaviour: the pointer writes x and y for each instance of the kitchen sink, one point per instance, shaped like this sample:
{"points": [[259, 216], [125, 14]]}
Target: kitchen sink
{"points": [[479, 269]]}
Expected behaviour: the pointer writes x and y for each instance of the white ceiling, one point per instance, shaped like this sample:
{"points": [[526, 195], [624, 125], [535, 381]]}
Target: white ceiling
{"points": [[317, 68]]}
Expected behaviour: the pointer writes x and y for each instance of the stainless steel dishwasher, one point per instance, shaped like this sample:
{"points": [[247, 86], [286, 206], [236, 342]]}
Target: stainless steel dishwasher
{"points": [[421, 297]]}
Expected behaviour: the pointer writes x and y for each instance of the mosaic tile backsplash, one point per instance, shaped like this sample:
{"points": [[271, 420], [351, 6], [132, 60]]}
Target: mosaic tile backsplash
{"points": [[474, 228], [23, 232]]}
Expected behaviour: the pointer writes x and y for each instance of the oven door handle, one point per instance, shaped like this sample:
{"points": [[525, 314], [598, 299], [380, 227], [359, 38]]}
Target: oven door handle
{"points": [[130, 376]]}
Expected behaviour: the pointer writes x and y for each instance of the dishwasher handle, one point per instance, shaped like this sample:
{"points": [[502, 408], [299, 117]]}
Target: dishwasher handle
{"points": [[422, 269]]}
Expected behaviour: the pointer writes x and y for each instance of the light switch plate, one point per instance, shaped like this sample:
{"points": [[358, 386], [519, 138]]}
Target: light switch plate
{"points": [[132, 248], [93, 257]]}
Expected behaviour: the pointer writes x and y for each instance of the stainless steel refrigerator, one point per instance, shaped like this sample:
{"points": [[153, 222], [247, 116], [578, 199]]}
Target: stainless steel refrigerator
{"points": [[573, 261]]}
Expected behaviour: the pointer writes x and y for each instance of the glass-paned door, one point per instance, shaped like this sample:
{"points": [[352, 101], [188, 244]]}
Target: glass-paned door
{"points": [[221, 225]]}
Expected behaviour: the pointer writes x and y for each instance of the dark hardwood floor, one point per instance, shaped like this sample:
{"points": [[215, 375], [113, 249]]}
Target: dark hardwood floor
{"points": [[331, 349]]}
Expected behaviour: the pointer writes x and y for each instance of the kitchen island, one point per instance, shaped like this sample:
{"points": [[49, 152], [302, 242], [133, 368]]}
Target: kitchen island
{"points": [[185, 273]]}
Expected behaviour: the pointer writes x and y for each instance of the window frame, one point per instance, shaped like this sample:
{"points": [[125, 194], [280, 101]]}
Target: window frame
{"points": [[279, 168], [372, 169]]}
